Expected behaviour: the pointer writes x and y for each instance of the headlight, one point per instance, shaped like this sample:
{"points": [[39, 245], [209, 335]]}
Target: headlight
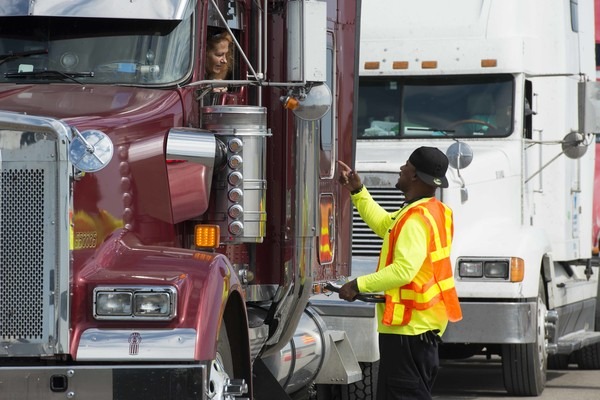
{"points": [[113, 304], [147, 303], [496, 269], [470, 269], [151, 304]]}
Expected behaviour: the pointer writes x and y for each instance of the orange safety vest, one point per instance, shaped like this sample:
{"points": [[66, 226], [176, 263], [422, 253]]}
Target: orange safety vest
{"points": [[400, 302]]}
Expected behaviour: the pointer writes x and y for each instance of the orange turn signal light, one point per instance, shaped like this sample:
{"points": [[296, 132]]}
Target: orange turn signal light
{"points": [[290, 103], [207, 236], [517, 269]]}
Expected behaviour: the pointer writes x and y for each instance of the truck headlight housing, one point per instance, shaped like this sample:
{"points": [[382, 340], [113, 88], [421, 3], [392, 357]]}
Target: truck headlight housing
{"points": [[470, 269], [496, 269], [508, 269], [143, 303]]}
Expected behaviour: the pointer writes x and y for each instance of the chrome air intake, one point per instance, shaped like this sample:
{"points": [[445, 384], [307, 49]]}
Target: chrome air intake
{"points": [[240, 188]]}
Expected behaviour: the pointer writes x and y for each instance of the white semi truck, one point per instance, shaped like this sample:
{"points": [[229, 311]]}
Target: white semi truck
{"points": [[506, 88]]}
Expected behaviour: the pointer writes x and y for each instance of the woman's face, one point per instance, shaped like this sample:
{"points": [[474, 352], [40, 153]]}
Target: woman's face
{"points": [[216, 60]]}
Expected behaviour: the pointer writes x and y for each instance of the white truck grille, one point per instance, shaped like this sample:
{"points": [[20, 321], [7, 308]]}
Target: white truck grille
{"points": [[364, 241]]}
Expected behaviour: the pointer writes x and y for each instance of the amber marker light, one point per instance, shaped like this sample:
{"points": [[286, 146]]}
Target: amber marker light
{"points": [[489, 63], [371, 64], [290, 103], [400, 65], [429, 64], [207, 236], [517, 269]]}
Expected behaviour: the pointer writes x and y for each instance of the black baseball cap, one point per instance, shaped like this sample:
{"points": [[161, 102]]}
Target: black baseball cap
{"points": [[431, 165]]}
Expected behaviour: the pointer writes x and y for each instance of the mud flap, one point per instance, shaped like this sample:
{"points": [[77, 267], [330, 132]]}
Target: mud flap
{"points": [[266, 387], [341, 367]]}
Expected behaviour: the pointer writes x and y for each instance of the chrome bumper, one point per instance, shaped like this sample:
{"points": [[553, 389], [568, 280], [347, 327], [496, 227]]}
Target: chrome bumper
{"points": [[494, 323]]}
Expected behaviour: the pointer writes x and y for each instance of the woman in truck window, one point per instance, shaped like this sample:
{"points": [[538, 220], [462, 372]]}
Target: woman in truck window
{"points": [[219, 56]]}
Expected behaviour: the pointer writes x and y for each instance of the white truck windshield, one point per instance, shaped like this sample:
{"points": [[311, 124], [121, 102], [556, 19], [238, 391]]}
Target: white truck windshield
{"points": [[94, 50], [435, 107]]}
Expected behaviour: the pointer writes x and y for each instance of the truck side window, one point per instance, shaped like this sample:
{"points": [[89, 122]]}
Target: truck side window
{"points": [[219, 55], [528, 112], [327, 122]]}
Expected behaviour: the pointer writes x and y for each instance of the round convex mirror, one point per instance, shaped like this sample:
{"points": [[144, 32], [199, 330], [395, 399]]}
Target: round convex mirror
{"points": [[459, 155], [91, 150]]}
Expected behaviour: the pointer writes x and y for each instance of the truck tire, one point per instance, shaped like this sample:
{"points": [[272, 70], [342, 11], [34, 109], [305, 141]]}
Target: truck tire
{"points": [[366, 388], [588, 357], [221, 368], [558, 361], [524, 365]]}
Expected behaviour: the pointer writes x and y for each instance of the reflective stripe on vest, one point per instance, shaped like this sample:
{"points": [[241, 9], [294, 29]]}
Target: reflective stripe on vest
{"points": [[401, 301]]}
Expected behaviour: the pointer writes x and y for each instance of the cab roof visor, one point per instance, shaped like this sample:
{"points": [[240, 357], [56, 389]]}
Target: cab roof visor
{"points": [[117, 9]]}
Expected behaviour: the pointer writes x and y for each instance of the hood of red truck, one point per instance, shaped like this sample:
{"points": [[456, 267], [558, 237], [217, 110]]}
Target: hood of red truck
{"points": [[99, 107]]}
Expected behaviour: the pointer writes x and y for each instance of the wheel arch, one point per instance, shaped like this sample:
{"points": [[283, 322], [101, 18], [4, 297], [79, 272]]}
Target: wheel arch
{"points": [[236, 323]]}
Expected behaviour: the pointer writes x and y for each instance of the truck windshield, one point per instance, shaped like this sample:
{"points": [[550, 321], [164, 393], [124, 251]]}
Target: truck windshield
{"points": [[435, 107], [98, 51]]}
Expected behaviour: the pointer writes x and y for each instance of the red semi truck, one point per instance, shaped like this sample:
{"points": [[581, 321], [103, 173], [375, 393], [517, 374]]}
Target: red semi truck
{"points": [[161, 237]]}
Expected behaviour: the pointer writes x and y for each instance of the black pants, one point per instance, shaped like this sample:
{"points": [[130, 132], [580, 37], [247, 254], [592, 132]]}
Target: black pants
{"points": [[408, 366]]}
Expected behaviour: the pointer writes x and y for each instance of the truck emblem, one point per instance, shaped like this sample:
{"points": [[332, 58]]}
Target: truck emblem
{"points": [[134, 343]]}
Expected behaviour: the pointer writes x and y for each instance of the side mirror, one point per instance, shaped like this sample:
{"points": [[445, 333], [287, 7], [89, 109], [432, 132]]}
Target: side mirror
{"points": [[459, 155]]}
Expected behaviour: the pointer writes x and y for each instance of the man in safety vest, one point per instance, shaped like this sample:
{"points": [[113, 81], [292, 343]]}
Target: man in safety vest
{"points": [[414, 272]]}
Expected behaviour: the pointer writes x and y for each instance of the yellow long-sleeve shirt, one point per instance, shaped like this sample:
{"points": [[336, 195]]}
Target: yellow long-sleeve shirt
{"points": [[409, 253]]}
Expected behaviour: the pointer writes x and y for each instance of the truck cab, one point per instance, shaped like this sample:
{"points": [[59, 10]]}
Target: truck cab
{"points": [[512, 103], [158, 224]]}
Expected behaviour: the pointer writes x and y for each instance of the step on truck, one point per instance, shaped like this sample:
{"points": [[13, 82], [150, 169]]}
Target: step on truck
{"points": [[162, 233], [507, 89]]}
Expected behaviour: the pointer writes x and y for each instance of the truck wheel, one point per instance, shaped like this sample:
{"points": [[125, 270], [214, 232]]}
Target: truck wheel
{"points": [[558, 361], [524, 365], [588, 357], [366, 388], [221, 368]]}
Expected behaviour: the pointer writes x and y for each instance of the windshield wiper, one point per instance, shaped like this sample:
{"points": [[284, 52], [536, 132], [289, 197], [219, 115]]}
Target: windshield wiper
{"points": [[11, 55], [50, 74]]}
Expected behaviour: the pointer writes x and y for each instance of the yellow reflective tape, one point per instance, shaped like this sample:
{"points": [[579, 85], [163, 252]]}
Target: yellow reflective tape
{"points": [[440, 254], [446, 284], [408, 294], [448, 220], [398, 314], [394, 295], [434, 227], [429, 294]]}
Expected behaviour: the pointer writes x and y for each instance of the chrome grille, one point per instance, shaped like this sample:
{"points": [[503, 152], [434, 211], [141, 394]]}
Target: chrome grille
{"points": [[35, 204], [364, 241], [21, 259]]}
